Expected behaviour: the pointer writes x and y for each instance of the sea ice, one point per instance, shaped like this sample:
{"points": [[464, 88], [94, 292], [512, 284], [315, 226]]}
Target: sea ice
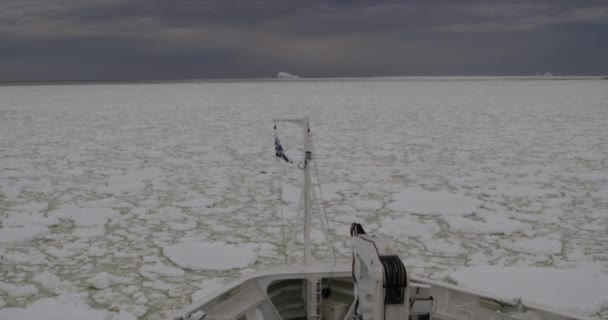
{"points": [[367, 205], [534, 246], [48, 280], [120, 186], [335, 191], [23, 219], [23, 234], [407, 226], [54, 309], [159, 269], [31, 257], [153, 152], [601, 194], [88, 232], [86, 217], [491, 225], [207, 286], [27, 215], [104, 280], [183, 226], [194, 203], [580, 290], [124, 315], [18, 291], [443, 246], [433, 203], [290, 194], [210, 256]]}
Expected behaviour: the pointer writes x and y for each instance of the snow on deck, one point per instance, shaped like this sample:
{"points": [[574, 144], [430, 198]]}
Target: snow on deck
{"points": [[97, 181]]}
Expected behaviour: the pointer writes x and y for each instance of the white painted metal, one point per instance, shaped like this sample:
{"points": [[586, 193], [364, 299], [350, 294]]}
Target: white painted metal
{"points": [[369, 272]]}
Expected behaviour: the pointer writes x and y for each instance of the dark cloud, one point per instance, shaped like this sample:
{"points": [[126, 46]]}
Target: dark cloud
{"points": [[154, 39]]}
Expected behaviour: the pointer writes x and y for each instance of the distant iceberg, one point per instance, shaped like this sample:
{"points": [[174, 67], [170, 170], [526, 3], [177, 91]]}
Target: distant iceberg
{"points": [[285, 75]]}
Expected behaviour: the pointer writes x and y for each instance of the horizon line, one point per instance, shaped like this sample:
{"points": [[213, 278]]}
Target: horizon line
{"points": [[299, 78]]}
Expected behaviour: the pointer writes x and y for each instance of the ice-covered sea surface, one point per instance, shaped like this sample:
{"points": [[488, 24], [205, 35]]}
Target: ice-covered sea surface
{"points": [[123, 201]]}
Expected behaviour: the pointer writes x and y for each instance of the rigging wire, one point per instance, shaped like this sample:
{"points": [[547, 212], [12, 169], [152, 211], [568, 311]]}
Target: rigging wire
{"points": [[283, 217], [326, 292]]}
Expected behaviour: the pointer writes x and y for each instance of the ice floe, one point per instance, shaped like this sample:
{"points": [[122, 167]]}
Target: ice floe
{"points": [[104, 280], [86, 217], [121, 185], [88, 232], [444, 247], [290, 193], [534, 246], [159, 269], [62, 308], [433, 203], [194, 203], [207, 286], [335, 191], [210, 256], [489, 225], [48, 281], [582, 291], [367, 205], [31, 257], [14, 290], [183, 226], [23, 234], [407, 226]]}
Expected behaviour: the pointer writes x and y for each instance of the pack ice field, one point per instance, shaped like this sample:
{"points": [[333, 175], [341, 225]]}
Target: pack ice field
{"points": [[106, 190]]}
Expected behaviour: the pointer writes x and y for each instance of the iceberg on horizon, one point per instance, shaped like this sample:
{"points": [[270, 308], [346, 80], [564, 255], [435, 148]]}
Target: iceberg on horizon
{"points": [[285, 75]]}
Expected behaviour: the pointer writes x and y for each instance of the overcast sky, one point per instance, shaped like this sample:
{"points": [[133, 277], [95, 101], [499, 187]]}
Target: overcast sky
{"points": [[177, 39]]}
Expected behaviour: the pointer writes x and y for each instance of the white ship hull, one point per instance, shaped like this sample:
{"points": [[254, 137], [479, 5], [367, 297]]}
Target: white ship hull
{"points": [[280, 294]]}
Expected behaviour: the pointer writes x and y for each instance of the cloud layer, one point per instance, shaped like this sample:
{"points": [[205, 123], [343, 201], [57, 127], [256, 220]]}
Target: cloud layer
{"points": [[153, 39]]}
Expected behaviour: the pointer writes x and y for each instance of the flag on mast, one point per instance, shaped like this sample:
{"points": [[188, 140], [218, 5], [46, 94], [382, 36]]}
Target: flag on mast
{"points": [[279, 152]]}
